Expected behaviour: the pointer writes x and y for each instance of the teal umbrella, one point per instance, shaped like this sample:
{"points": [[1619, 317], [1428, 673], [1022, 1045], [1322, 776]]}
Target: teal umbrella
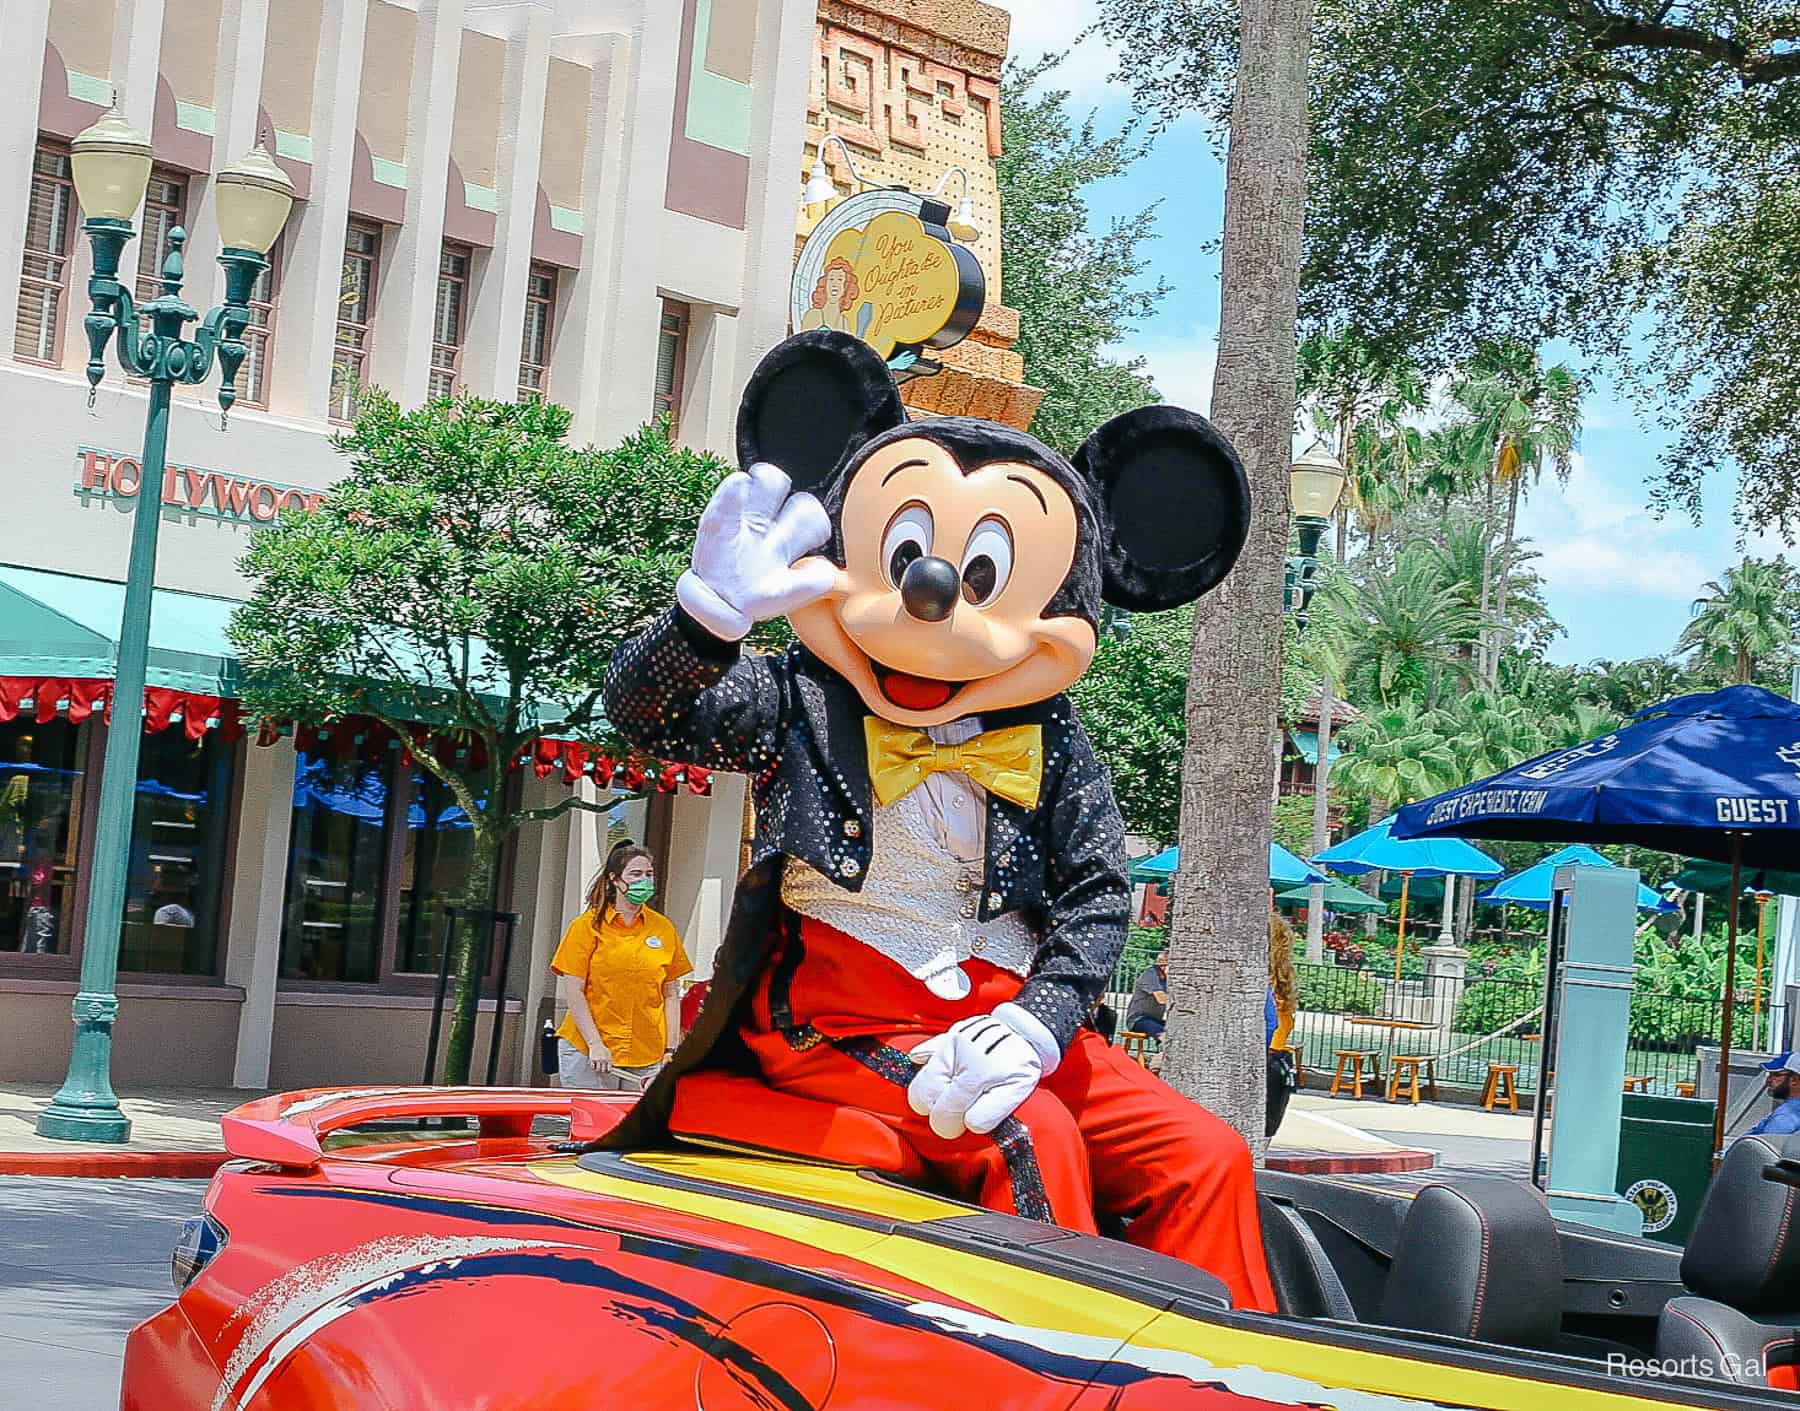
{"points": [[1339, 896], [1285, 870]]}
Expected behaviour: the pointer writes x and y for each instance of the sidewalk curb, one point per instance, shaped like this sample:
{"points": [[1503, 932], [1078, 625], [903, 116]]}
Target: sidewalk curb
{"points": [[175, 1165], [1344, 1163]]}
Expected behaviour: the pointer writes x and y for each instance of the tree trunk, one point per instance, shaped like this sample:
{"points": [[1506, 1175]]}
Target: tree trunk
{"points": [[1219, 970], [1487, 569], [1321, 835], [1502, 637], [1343, 532], [467, 953]]}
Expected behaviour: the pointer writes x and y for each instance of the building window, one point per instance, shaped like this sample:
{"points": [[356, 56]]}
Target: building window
{"points": [[253, 376], [671, 358], [439, 847], [356, 311], [447, 322], [534, 353], [42, 793], [44, 276], [377, 853], [180, 835]]}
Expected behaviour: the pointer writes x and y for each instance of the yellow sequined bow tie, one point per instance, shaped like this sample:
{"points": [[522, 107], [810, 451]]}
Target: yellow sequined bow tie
{"points": [[1007, 762]]}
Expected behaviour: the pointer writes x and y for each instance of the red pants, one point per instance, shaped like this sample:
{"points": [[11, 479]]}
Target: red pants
{"points": [[833, 1019]]}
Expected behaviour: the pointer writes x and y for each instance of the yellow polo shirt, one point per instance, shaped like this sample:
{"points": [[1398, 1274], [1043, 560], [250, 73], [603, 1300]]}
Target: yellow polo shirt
{"points": [[622, 970]]}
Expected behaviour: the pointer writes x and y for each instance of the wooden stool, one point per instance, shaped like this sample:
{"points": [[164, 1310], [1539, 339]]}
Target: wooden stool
{"points": [[1500, 1075], [1353, 1059], [1136, 1046], [1636, 1083], [1403, 1078], [1684, 1090]]}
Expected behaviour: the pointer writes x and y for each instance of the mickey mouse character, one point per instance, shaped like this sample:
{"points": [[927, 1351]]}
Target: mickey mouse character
{"points": [[937, 892]]}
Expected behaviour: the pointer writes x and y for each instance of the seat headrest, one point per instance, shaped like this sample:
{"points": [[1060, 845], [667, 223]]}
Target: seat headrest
{"points": [[1745, 1251], [1478, 1259]]}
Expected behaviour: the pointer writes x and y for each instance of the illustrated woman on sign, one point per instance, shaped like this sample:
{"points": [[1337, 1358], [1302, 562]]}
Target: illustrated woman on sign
{"points": [[833, 297]]}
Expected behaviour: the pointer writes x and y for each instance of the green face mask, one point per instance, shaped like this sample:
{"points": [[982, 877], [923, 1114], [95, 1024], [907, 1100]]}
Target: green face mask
{"points": [[640, 891]]}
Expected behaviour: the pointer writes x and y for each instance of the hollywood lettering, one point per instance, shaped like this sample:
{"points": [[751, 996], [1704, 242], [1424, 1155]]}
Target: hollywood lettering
{"points": [[188, 488]]}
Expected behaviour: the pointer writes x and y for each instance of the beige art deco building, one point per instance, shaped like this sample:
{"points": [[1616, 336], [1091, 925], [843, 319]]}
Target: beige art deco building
{"points": [[589, 198]]}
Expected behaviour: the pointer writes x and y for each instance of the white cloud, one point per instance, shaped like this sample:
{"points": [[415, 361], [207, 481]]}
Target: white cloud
{"points": [[1595, 539], [1041, 26], [1181, 365]]}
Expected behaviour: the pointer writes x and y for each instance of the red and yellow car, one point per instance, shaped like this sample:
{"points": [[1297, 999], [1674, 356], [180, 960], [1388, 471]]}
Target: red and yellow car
{"points": [[350, 1258]]}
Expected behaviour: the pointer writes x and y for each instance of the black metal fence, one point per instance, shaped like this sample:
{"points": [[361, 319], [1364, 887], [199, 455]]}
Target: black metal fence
{"points": [[1467, 1025]]}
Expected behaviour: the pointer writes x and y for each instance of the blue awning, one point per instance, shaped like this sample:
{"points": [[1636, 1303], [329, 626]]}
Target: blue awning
{"points": [[1307, 742]]}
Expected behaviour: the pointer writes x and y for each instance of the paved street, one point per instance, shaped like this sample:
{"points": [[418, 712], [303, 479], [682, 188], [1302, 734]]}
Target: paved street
{"points": [[81, 1262]]}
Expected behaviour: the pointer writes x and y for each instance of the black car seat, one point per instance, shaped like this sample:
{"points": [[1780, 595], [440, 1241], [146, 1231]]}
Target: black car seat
{"points": [[1479, 1259], [1741, 1320]]}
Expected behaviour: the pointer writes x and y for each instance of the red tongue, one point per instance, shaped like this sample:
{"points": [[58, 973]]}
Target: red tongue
{"points": [[915, 693]]}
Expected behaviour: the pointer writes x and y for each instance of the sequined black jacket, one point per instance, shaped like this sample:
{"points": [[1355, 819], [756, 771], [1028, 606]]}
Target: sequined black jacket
{"points": [[796, 728]]}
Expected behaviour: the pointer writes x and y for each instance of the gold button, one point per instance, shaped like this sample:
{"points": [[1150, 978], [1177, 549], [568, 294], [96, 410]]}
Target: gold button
{"points": [[965, 885], [994, 900], [980, 945], [849, 867], [969, 911], [852, 829]]}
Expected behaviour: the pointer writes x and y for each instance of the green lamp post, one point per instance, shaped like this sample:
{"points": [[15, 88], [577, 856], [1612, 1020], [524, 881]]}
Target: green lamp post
{"points": [[1314, 482], [111, 162]]}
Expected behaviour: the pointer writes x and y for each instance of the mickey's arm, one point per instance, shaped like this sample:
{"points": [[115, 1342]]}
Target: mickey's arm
{"points": [[1089, 899], [683, 689]]}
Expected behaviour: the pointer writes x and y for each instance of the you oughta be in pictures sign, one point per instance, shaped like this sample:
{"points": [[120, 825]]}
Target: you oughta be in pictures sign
{"points": [[882, 266]]}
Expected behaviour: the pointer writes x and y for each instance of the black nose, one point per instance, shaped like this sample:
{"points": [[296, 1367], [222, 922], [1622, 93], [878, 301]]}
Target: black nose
{"points": [[929, 588]]}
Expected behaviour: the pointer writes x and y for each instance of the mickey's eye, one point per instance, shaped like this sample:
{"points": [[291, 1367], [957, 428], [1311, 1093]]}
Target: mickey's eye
{"points": [[908, 538], [987, 562]]}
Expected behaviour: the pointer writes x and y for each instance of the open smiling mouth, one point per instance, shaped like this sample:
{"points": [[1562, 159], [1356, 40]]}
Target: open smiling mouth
{"points": [[913, 692]]}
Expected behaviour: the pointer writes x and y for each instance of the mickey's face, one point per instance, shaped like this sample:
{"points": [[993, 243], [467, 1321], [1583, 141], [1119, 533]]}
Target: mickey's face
{"points": [[938, 610], [972, 561]]}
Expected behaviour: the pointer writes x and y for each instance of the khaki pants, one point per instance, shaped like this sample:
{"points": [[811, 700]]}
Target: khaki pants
{"points": [[577, 1070]]}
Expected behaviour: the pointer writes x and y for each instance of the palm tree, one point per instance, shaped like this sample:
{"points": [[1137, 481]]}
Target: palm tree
{"points": [[1742, 619], [1405, 631], [1525, 414], [1395, 755], [1461, 555], [1488, 732], [1582, 722], [1360, 400], [1319, 651]]}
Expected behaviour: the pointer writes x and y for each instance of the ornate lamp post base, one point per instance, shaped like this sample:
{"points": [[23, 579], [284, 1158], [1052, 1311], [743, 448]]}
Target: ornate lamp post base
{"points": [[86, 1109]]}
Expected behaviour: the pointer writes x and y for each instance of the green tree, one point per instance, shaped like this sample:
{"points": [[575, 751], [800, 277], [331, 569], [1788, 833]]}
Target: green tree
{"points": [[1743, 619], [1487, 732], [1131, 703], [1600, 168], [1360, 401], [1394, 756], [1078, 293], [1405, 632], [472, 571]]}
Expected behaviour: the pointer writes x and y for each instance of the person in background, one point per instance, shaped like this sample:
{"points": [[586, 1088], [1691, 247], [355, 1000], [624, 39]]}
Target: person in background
{"points": [[1148, 1011], [1783, 1084], [1278, 1023], [619, 970]]}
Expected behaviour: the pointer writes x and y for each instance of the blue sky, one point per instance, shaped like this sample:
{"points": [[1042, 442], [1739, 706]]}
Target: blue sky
{"points": [[1619, 580]]}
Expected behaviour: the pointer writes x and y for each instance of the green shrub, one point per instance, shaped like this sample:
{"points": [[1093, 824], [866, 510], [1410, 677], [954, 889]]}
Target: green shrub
{"points": [[1330, 990], [1488, 1005]]}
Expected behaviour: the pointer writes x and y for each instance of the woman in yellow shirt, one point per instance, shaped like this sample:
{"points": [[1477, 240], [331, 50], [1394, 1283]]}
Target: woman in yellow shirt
{"points": [[619, 969]]}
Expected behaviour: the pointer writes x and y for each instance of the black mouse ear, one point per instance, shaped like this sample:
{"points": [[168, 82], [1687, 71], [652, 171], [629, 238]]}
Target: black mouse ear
{"points": [[813, 400], [1176, 503]]}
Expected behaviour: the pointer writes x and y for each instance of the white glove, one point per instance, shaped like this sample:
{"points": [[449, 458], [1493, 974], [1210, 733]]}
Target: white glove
{"points": [[975, 1075], [750, 557]]}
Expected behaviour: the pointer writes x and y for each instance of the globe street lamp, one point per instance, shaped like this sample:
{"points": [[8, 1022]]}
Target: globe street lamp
{"points": [[1315, 482], [111, 162]]}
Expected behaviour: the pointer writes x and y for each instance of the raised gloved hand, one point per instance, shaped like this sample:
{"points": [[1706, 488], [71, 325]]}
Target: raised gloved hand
{"points": [[975, 1074], [750, 558]]}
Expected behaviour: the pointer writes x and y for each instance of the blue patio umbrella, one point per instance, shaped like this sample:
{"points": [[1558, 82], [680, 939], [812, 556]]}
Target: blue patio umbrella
{"points": [[1531, 888], [1285, 870], [1375, 849], [1713, 775]]}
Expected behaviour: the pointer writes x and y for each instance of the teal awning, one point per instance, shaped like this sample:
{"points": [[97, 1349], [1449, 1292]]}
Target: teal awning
{"points": [[61, 625], [1307, 742]]}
